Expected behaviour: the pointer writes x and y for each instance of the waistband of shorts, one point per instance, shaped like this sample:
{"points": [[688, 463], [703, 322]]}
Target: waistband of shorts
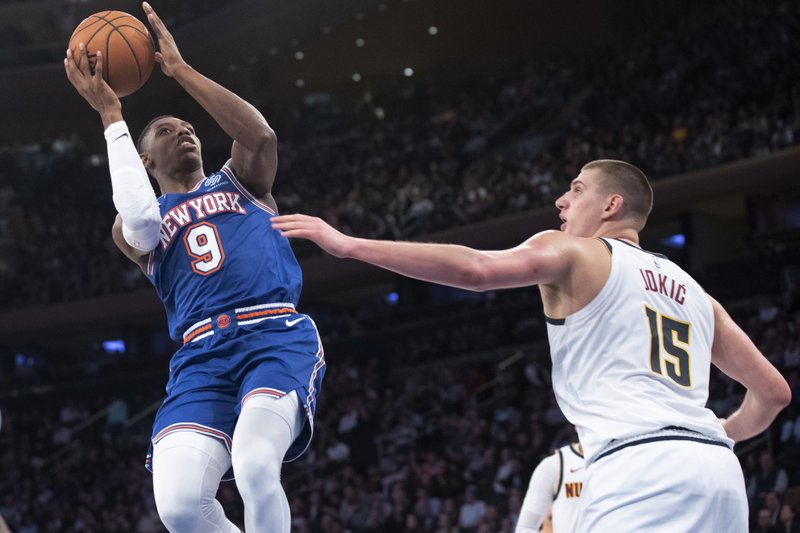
{"points": [[666, 433], [242, 315]]}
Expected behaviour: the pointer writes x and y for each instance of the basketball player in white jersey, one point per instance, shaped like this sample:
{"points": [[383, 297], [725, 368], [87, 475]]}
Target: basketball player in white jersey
{"points": [[632, 339], [555, 488]]}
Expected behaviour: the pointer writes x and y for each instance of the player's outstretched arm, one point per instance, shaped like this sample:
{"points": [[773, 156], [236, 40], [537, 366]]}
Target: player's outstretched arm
{"points": [[540, 259], [136, 231], [767, 391], [254, 153]]}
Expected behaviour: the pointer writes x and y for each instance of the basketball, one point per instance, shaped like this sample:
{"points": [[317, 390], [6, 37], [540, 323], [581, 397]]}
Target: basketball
{"points": [[126, 46]]}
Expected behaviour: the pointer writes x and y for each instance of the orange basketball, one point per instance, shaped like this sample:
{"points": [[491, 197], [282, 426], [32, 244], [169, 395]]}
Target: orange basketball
{"points": [[126, 46]]}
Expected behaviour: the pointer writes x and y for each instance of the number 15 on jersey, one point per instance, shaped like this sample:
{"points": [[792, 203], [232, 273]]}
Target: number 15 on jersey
{"points": [[672, 336]]}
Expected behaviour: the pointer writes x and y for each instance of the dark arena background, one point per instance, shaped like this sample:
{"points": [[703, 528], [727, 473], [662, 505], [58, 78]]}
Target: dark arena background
{"points": [[439, 120]]}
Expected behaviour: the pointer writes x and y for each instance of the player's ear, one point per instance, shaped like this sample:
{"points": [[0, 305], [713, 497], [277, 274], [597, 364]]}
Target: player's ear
{"points": [[146, 160], [614, 205]]}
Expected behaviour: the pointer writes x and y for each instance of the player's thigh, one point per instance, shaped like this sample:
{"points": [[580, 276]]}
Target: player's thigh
{"points": [[188, 467], [665, 486], [267, 420]]}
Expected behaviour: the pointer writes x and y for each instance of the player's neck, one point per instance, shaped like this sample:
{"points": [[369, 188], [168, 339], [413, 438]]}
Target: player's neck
{"points": [[616, 231], [180, 183]]}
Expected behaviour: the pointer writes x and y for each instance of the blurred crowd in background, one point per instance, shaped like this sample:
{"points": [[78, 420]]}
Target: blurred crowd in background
{"points": [[418, 429], [37, 34]]}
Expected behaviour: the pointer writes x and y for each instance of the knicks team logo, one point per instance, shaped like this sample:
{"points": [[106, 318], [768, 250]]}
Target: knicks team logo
{"points": [[223, 321]]}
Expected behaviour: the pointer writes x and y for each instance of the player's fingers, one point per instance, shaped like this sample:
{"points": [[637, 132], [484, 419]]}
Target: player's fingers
{"points": [[154, 20], [296, 226], [83, 61], [98, 65], [69, 64], [294, 234], [284, 225], [288, 224], [74, 73], [68, 70], [289, 218]]}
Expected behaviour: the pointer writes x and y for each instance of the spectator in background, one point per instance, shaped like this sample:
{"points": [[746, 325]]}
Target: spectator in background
{"points": [[772, 503], [507, 476], [788, 522], [769, 477], [790, 429], [763, 524], [472, 510]]}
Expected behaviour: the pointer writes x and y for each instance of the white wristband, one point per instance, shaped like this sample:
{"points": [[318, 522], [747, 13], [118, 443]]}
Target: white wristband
{"points": [[132, 193]]}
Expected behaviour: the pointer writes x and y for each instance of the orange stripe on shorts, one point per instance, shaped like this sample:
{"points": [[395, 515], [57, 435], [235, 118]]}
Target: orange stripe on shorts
{"points": [[195, 333], [265, 312]]}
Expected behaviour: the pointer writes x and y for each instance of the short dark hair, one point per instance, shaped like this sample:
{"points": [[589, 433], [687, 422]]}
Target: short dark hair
{"points": [[629, 181], [146, 129]]}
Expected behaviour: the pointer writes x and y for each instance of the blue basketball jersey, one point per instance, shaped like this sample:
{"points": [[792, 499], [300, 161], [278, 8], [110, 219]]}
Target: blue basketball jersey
{"points": [[218, 251]]}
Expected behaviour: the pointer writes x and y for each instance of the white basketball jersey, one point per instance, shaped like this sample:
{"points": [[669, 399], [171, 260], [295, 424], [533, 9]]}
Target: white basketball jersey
{"points": [[637, 358], [565, 503]]}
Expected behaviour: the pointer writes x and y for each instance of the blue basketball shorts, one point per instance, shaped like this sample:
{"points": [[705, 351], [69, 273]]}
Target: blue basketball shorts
{"points": [[228, 358]]}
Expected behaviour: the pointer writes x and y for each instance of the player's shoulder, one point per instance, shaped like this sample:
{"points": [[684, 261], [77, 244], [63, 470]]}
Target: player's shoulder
{"points": [[560, 237], [566, 245]]}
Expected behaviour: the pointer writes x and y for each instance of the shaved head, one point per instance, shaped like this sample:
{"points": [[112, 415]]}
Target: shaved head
{"points": [[619, 177], [146, 130]]}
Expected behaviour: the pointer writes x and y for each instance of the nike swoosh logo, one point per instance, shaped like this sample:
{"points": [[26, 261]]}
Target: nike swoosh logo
{"points": [[573, 470], [290, 323], [120, 137]]}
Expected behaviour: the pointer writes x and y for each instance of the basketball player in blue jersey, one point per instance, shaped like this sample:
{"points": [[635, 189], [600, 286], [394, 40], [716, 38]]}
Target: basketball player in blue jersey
{"points": [[632, 338], [242, 388]]}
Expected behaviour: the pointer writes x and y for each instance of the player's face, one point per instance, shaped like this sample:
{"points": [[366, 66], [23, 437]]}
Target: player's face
{"points": [[173, 145], [581, 207]]}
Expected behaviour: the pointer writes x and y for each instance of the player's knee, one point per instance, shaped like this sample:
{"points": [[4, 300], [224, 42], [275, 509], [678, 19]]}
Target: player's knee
{"points": [[177, 514], [257, 468], [180, 510]]}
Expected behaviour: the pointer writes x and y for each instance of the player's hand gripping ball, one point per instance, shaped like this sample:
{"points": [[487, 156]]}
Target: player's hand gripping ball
{"points": [[127, 49]]}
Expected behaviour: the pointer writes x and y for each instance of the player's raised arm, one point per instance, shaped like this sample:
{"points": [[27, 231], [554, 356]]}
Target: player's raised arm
{"points": [[254, 152], [540, 259], [767, 391], [136, 230]]}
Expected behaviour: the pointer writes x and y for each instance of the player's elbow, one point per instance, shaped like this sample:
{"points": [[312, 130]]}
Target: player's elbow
{"points": [[141, 227], [261, 141], [138, 215], [476, 275], [267, 139], [781, 395], [144, 238], [773, 398]]}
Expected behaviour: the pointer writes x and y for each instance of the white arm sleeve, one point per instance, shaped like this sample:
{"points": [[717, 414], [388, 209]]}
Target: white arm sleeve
{"points": [[540, 495], [132, 193]]}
